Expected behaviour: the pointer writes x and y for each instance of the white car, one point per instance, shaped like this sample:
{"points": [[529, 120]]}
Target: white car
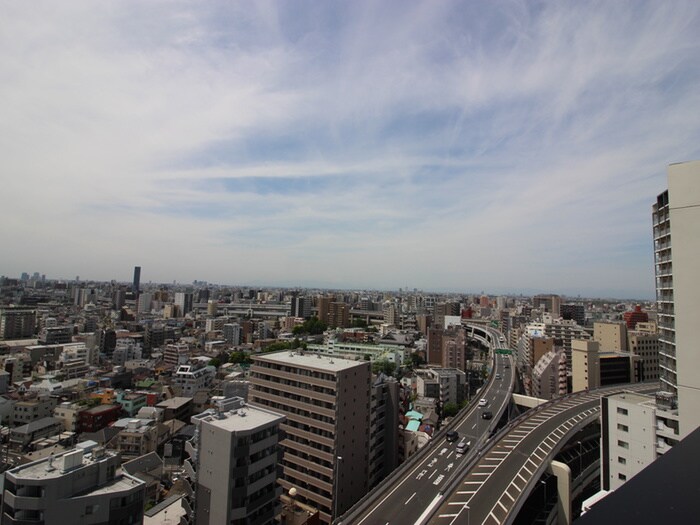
{"points": [[483, 402]]}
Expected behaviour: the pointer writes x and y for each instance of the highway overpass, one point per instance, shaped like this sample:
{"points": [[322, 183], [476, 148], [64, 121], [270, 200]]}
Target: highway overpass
{"points": [[406, 495], [496, 483]]}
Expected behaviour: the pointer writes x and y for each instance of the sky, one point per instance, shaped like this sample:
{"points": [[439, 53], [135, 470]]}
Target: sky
{"points": [[504, 146]]}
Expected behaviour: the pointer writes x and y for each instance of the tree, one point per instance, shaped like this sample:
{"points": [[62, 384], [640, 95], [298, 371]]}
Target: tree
{"points": [[215, 362], [417, 359], [385, 366], [240, 358], [450, 410]]}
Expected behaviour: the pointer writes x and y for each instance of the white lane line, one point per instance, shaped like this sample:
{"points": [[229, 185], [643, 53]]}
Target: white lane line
{"points": [[390, 493], [429, 510], [508, 494], [434, 471], [502, 505], [409, 499], [447, 515], [521, 477]]}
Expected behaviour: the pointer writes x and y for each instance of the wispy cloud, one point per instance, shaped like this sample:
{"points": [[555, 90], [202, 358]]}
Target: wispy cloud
{"points": [[498, 146]]}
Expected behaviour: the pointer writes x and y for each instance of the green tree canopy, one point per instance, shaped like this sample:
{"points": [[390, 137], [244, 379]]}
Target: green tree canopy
{"points": [[450, 410]]}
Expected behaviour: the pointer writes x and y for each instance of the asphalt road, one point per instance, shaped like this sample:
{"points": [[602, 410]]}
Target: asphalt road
{"points": [[413, 497], [493, 489]]}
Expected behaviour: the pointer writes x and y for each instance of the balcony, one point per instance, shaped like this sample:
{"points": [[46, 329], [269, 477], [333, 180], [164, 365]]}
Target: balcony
{"points": [[189, 469]]}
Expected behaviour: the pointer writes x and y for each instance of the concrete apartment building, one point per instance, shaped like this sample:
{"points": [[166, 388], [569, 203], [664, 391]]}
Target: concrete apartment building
{"points": [[676, 217], [646, 346], [190, 379], [448, 385], [592, 368], [234, 463], [611, 336], [636, 430], [549, 378], [327, 433], [17, 322], [80, 487], [384, 429], [563, 332]]}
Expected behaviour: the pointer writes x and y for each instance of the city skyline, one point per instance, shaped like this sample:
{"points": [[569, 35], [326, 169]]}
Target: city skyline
{"points": [[504, 147]]}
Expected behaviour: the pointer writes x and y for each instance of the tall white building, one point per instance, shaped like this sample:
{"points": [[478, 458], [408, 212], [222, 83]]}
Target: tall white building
{"points": [[676, 221], [234, 462], [636, 430]]}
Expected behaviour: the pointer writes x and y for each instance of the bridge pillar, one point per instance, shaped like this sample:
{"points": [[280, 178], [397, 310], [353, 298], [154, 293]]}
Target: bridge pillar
{"points": [[563, 474]]}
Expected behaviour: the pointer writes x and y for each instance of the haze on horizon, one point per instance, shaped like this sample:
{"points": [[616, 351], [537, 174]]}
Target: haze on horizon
{"points": [[502, 146]]}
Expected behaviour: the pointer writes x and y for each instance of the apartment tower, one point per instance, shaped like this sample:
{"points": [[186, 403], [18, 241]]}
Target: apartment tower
{"points": [[676, 215], [326, 436]]}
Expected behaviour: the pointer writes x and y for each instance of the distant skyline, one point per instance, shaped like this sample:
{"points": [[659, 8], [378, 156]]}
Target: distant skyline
{"points": [[501, 146]]}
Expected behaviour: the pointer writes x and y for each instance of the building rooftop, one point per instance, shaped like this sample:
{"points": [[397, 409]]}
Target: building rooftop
{"points": [[174, 402], [57, 466], [239, 417], [314, 361]]}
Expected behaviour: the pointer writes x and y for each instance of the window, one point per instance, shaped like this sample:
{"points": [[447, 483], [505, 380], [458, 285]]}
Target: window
{"points": [[621, 460], [622, 477], [623, 428], [622, 411], [622, 444]]}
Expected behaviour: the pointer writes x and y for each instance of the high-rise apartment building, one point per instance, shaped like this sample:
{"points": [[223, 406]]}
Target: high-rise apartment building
{"points": [[339, 315], [646, 346], [324, 306], [327, 433], [183, 300], [575, 312], [676, 217], [136, 285], [234, 461], [550, 303], [17, 322]]}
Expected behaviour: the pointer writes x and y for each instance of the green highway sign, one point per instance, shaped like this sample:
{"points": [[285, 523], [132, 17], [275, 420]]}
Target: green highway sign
{"points": [[506, 351]]}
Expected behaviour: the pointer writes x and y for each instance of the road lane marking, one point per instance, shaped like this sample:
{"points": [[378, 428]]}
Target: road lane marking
{"points": [[409, 499]]}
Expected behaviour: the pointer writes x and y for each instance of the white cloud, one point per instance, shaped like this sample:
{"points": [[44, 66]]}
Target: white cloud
{"points": [[496, 146]]}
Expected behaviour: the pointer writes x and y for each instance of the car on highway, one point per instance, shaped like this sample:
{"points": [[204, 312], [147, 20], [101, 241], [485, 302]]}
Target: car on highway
{"points": [[487, 415], [451, 436], [498, 376], [463, 446], [483, 402]]}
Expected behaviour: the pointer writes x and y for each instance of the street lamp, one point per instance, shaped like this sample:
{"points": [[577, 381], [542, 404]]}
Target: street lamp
{"points": [[580, 458], [544, 485], [336, 475]]}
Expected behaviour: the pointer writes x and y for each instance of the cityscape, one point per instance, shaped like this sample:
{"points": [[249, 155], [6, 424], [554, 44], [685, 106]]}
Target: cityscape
{"points": [[368, 263]]}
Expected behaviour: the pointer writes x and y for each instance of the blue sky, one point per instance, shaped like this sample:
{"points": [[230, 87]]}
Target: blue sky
{"points": [[501, 146]]}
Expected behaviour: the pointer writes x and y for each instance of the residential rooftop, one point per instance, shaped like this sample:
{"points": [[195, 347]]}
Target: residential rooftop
{"points": [[313, 361]]}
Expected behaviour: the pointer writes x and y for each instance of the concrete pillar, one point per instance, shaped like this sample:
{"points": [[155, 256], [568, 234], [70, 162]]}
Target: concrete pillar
{"points": [[563, 475]]}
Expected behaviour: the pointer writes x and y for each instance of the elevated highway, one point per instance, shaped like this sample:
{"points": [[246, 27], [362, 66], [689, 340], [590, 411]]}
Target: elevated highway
{"points": [[415, 488], [496, 483]]}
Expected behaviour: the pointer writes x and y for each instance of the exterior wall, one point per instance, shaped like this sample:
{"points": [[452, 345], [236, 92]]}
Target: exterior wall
{"points": [[585, 366], [231, 453], [646, 346], [630, 440], [327, 405], [611, 336], [90, 493], [684, 204]]}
